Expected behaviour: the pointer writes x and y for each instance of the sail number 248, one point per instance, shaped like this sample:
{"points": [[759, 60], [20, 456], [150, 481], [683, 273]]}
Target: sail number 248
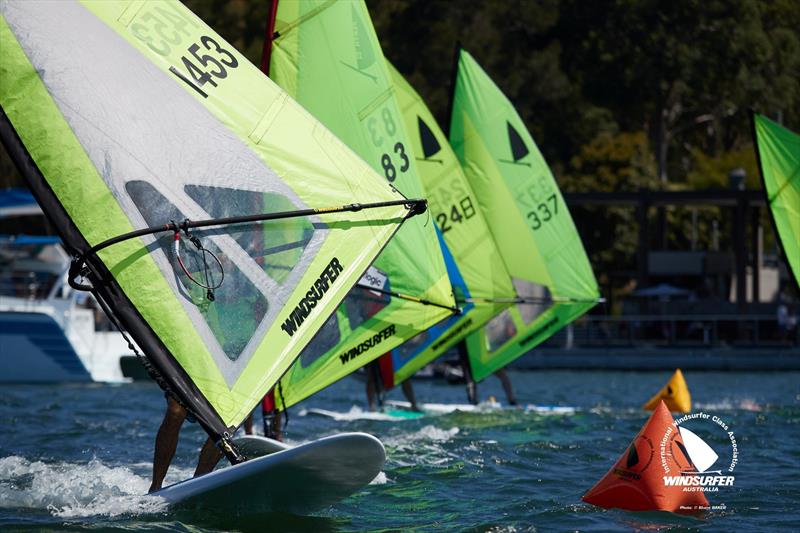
{"points": [[454, 215], [544, 212]]}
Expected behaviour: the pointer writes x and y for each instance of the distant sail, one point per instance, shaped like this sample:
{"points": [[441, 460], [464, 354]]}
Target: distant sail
{"points": [[530, 223], [124, 115], [476, 268], [322, 53], [778, 151]]}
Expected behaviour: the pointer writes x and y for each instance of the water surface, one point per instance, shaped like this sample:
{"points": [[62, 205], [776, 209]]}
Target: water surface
{"points": [[78, 457]]}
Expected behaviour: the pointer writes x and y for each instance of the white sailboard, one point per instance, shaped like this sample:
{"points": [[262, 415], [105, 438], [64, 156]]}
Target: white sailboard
{"points": [[356, 413], [297, 480]]}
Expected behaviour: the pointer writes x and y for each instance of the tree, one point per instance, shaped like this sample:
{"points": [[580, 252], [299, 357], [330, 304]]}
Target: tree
{"points": [[684, 71], [611, 162]]}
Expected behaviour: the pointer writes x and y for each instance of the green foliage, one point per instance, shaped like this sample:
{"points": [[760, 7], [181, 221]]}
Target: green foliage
{"points": [[611, 162], [709, 172], [686, 71], [683, 72]]}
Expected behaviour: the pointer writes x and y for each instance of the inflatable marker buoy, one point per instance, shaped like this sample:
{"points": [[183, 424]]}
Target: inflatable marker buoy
{"points": [[636, 481], [675, 394]]}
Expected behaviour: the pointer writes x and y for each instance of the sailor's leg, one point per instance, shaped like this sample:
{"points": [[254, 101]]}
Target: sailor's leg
{"points": [[372, 387], [209, 457], [408, 391], [472, 389], [248, 424], [463, 357], [166, 441], [506, 381], [277, 423]]}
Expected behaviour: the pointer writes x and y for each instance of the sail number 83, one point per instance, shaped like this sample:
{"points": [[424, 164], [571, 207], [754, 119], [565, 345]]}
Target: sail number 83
{"points": [[388, 165], [395, 160], [543, 212]]}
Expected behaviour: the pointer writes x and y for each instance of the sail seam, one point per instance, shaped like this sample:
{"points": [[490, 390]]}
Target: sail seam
{"points": [[372, 106], [130, 12], [268, 118]]}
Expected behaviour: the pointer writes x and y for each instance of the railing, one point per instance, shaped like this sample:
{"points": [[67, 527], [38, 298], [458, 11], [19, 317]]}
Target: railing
{"points": [[30, 285], [677, 330]]}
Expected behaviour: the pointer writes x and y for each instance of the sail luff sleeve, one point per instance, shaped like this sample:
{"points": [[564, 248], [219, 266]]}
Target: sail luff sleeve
{"points": [[124, 143]]}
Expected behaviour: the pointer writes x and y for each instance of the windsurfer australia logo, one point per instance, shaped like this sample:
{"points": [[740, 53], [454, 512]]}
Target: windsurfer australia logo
{"points": [[705, 455]]}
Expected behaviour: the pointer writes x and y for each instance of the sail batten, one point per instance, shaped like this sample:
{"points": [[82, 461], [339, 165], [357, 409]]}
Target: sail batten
{"points": [[112, 143]]}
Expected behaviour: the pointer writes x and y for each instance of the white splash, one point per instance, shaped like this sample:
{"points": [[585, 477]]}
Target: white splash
{"points": [[550, 409], [426, 433], [745, 404], [380, 479], [424, 446], [72, 490]]}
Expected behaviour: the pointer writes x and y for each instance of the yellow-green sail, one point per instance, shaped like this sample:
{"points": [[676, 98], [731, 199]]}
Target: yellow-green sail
{"points": [[778, 151], [530, 223], [480, 280], [327, 56], [128, 114]]}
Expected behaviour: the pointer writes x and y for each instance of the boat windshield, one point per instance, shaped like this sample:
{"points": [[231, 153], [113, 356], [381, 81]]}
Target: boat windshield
{"points": [[31, 267]]}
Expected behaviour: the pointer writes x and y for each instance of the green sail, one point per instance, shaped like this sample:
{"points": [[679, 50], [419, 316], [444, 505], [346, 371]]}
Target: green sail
{"points": [[485, 287], [126, 114], [327, 56], [530, 223], [778, 151]]}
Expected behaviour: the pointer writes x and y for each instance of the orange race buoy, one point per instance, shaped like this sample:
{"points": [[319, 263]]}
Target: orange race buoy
{"points": [[636, 481], [675, 394]]}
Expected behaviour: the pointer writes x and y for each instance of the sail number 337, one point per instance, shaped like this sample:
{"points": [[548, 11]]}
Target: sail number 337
{"points": [[544, 212]]}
